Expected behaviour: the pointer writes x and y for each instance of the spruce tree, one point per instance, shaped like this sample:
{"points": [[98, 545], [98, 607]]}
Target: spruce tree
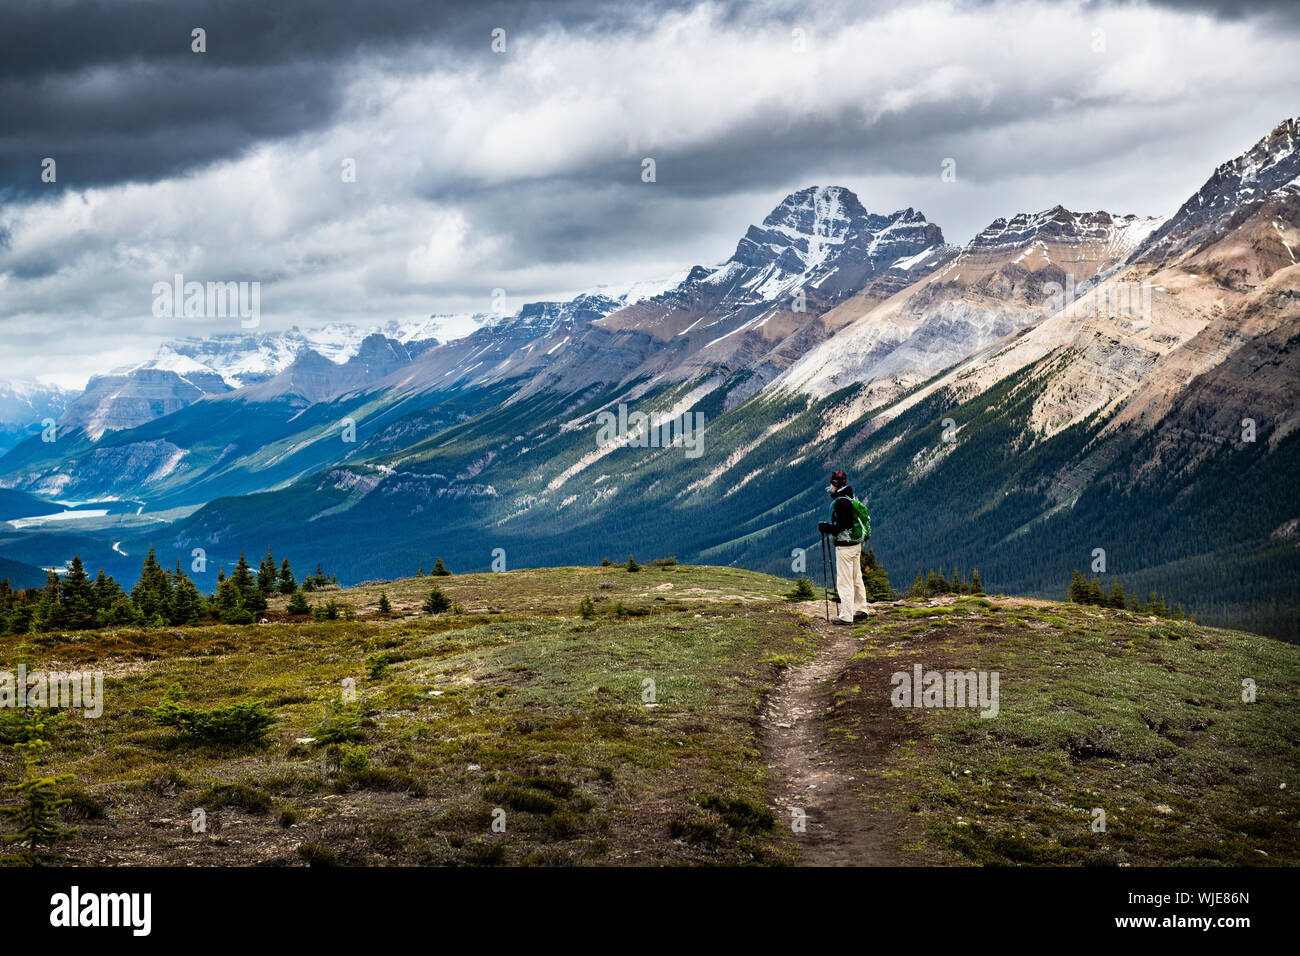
{"points": [[975, 586], [287, 583], [267, 574], [1078, 588], [874, 577], [385, 606], [918, 586], [1158, 606], [228, 603], [36, 812], [77, 596], [107, 591], [250, 594], [436, 602], [1094, 592], [1117, 599], [187, 604], [152, 592], [439, 570], [631, 564], [49, 609], [298, 604]]}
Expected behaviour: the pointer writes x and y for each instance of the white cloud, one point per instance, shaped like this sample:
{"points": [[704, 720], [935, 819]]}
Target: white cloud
{"points": [[522, 171]]}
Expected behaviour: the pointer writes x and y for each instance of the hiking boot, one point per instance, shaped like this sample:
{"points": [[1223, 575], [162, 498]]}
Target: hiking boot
{"points": [[843, 623], [860, 615]]}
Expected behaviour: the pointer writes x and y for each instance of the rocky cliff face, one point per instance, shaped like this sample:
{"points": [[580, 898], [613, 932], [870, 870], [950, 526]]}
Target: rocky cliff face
{"points": [[1015, 272], [1266, 171], [129, 397]]}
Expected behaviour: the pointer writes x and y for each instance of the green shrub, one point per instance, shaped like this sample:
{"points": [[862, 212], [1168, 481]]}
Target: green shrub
{"points": [[803, 591], [587, 608], [340, 725], [316, 855], [738, 813], [234, 725], [480, 853], [240, 795], [377, 664], [355, 760], [523, 799], [436, 602], [82, 805]]}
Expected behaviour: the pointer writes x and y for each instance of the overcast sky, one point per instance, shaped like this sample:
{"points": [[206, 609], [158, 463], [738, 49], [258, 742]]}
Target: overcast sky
{"points": [[522, 169]]}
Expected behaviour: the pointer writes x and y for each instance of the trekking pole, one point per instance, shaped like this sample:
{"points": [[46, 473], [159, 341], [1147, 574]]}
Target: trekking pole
{"points": [[825, 586]]}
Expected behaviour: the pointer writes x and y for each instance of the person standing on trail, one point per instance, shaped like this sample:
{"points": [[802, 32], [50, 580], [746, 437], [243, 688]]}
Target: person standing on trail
{"points": [[849, 526]]}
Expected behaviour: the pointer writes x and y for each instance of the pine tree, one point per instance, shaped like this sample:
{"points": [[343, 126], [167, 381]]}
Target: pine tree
{"points": [[439, 570], [1158, 607], [631, 564], [267, 574], [286, 582], [385, 606], [298, 604], [250, 594], [107, 591], [975, 586], [77, 596], [187, 604], [436, 602], [1078, 588], [36, 813], [228, 603], [1094, 592], [918, 586], [932, 583], [152, 592], [49, 609], [957, 587], [874, 577], [1117, 599]]}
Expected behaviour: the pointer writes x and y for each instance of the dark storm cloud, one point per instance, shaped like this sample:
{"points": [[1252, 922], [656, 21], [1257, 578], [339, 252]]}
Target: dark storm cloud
{"points": [[113, 91], [1281, 11]]}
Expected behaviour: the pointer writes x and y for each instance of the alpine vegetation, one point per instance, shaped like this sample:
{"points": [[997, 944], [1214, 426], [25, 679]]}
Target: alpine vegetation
{"points": [[920, 688]]}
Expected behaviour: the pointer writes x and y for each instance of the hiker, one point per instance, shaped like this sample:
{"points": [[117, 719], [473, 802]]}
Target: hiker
{"points": [[849, 527]]}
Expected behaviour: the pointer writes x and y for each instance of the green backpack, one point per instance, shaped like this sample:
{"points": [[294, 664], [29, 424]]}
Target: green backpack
{"points": [[862, 522], [863, 527]]}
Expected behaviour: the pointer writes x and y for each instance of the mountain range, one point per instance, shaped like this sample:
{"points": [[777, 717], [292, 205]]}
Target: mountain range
{"points": [[1068, 388]]}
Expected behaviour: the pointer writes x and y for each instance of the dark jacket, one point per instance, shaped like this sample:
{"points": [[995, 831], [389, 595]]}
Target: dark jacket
{"points": [[843, 520]]}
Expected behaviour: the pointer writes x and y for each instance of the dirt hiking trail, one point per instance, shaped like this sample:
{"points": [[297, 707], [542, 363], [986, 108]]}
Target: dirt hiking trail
{"points": [[807, 775]]}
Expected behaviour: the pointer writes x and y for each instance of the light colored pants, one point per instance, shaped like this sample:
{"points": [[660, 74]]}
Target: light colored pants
{"points": [[848, 581]]}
